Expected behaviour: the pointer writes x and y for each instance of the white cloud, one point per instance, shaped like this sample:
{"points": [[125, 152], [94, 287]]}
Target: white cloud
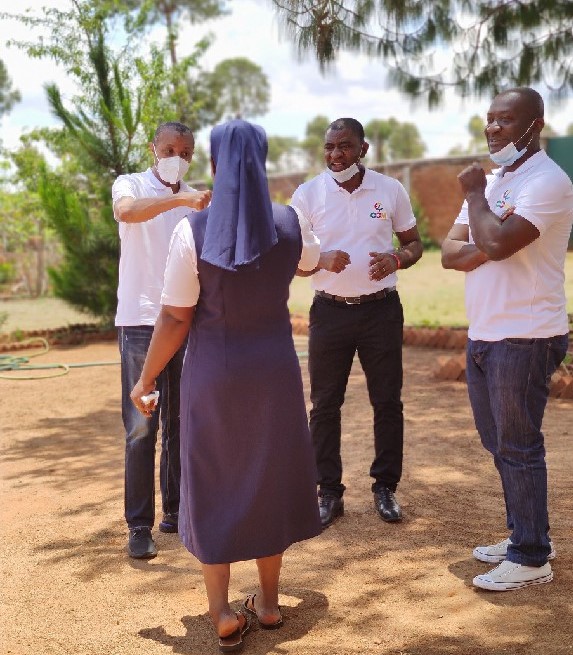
{"points": [[299, 91]]}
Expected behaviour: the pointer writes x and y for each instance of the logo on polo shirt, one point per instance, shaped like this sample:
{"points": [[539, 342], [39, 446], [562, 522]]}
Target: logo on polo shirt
{"points": [[505, 205], [502, 202], [379, 212]]}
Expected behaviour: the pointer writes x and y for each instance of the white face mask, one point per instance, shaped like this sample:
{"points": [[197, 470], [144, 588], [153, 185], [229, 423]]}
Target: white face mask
{"points": [[345, 175], [171, 169], [509, 154]]}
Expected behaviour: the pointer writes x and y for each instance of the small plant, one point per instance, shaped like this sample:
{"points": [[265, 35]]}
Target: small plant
{"points": [[423, 225], [7, 272], [17, 335], [3, 318]]}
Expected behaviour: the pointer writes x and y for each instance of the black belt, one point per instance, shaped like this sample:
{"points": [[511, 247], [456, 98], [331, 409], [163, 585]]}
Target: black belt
{"points": [[357, 300]]}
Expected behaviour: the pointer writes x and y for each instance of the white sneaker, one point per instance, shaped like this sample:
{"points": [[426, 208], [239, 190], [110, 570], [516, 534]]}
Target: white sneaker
{"points": [[509, 575], [497, 553]]}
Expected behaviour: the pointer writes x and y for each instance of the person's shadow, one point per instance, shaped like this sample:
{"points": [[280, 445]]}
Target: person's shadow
{"points": [[200, 637]]}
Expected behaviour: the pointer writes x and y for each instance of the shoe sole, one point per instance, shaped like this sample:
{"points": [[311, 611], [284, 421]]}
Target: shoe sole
{"points": [[167, 528], [498, 559], [144, 556], [509, 586], [390, 520]]}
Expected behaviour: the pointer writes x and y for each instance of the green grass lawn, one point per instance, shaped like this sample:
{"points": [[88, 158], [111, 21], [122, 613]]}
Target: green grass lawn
{"points": [[430, 295], [39, 314]]}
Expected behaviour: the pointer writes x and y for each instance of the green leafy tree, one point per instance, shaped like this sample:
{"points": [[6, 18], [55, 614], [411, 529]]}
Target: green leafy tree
{"points": [[492, 44], [280, 147], [8, 96], [190, 94], [404, 141], [478, 143], [240, 87], [378, 131], [200, 163], [172, 13], [105, 130], [313, 144], [87, 278]]}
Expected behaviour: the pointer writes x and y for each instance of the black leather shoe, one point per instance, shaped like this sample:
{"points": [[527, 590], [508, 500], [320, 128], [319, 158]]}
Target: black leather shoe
{"points": [[330, 508], [141, 544], [387, 505], [170, 523]]}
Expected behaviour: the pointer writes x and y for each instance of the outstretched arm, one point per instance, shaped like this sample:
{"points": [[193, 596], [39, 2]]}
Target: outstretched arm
{"points": [[139, 210]]}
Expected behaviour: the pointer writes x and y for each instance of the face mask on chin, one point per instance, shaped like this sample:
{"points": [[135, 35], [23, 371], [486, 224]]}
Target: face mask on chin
{"points": [[171, 169], [509, 154], [345, 175]]}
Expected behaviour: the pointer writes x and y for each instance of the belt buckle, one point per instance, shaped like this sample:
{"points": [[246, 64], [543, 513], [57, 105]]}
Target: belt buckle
{"points": [[352, 300]]}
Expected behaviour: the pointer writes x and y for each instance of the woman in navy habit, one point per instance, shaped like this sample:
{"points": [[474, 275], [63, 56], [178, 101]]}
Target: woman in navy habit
{"points": [[248, 481]]}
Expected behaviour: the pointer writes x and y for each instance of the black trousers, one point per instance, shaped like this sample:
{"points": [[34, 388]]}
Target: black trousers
{"points": [[337, 332]]}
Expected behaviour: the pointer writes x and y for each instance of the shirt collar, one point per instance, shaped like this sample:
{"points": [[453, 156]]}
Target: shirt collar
{"points": [[527, 165], [367, 182]]}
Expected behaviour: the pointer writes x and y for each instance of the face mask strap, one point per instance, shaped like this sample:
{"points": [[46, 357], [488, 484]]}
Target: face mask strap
{"points": [[526, 131]]}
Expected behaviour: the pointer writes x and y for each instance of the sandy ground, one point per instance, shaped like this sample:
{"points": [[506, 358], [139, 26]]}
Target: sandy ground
{"points": [[362, 587]]}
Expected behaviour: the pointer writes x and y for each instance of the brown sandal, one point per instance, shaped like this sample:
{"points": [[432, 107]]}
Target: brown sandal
{"points": [[249, 606], [234, 641]]}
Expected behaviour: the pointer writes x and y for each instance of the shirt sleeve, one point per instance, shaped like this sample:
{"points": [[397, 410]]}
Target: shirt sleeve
{"points": [[121, 188], [310, 243], [541, 200], [463, 217], [404, 218], [181, 281]]}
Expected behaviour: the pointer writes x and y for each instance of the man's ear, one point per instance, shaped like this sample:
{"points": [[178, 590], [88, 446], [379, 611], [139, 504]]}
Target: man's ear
{"points": [[364, 149]]}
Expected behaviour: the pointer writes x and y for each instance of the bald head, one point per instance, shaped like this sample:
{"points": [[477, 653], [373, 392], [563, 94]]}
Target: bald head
{"points": [[526, 100]]}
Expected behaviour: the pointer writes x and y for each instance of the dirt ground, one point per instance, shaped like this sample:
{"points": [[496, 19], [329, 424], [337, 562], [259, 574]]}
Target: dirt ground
{"points": [[362, 588]]}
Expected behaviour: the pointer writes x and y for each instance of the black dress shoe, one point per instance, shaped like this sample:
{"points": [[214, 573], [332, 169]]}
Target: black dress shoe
{"points": [[141, 544], [330, 508], [170, 523], [387, 505]]}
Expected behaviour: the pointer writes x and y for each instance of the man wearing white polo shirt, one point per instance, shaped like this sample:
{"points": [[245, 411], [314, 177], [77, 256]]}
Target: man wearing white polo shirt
{"points": [[147, 207], [354, 212], [511, 239]]}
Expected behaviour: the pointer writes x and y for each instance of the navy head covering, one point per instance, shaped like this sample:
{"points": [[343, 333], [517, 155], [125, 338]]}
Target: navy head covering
{"points": [[240, 226]]}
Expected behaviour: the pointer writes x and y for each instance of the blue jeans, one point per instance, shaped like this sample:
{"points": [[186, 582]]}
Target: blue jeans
{"points": [[508, 386], [141, 432]]}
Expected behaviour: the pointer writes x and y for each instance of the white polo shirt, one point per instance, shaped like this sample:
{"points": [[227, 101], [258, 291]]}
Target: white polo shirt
{"points": [[523, 296], [144, 248], [182, 284], [357, 223]]}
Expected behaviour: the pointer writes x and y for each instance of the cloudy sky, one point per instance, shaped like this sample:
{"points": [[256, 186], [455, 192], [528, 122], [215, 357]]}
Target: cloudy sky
{"points": [[299, 91]]}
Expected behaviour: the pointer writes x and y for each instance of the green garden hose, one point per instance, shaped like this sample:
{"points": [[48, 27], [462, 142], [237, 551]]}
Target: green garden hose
{"points": [[19, 363]]}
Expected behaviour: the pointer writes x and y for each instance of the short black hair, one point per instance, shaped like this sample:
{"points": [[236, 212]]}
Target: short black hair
{"points": [[172, 125], [348, 123]]}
